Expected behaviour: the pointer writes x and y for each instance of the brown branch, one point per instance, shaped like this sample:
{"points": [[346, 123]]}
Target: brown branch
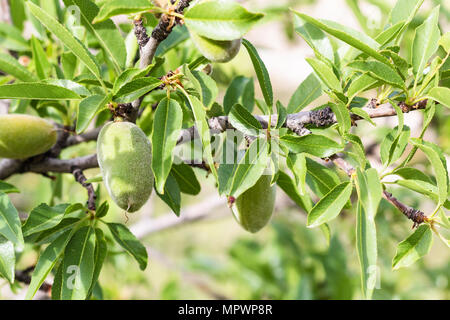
{"points": [[24, 277], [81, 179], [417, 216]]}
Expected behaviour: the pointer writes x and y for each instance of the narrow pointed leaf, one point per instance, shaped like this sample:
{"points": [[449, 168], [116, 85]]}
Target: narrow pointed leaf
{"points": [[308, 91], [89, 108], [316, 145], [11, 66], [10, 226], [36, 91]]}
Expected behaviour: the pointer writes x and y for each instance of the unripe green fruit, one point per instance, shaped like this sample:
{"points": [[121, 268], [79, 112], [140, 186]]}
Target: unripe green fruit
{"points": [[23, 136], [125, 159], [253, 209], [214, 50]]}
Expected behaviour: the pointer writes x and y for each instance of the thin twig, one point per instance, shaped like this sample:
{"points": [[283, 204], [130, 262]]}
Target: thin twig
{"points": [[81, 179]]}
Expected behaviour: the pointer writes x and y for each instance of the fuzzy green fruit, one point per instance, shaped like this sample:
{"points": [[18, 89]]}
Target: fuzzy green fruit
{"points": [[254, 208], [125, 159], [214, 50], [23, 136]]}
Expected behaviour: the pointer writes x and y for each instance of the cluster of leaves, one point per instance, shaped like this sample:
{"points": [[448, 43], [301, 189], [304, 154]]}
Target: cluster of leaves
{"points": [[70, 83]]}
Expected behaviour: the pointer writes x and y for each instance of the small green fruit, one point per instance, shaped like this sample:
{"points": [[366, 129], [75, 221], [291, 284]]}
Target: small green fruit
{"points": [[125, 159], [23, 136], [253, 209], [214, 50]]}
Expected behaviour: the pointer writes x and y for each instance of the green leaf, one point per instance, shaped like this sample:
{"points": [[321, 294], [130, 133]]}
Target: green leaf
{"points": [[366, 245], [394, 145], [8, 188], [379, 71], [136, 88], [363, 114], [49, 235], [289, 187], [10, 226], [308, 91], [89, 108], [166, 129], [106, 33], [413, 248], [426, 188], [342, 116], [11, 66], [7, 259], [47, 260], [315, 38], [358, 148], [319, 178], [66, 37], [208, 89], [129, 75], [390, 33], [281, 115], [441, 95], [316, 145], [102, 211], [186, 179], [78, 265], [113, 8], [297, 164], [444, 42], [250, 168], [235, 92], [40, 59], [101, 249], [37, 91], [171, 195], [11, 38], [369, 190], [261, 73], [220, 20], [405, 10], [439, 165], [326, 74], [350, 36], [128, 241], [44, 217], [244, 121], [412, 174], [330, 205], [426, 42], [70, 85]]}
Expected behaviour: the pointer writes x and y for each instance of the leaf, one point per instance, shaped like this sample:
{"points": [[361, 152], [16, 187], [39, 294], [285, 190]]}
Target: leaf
{"points": [[78, 265], [36, 90], [281, 115], [171, 195], [390, 33], [326, 74], [220, 20], [426, 188], [342, 116], [330, 205], [44, 217], [11, 66], [47, 260], [393, 147], [316, 145], [101, 249], [366, 244], [439, 165], [106, 33], [288, 186], [113, 8], [350, 36], [261, 73], [308, 91], [10, 226], [319, 178], [102, 211], [379, 71], [315, 38], [235, 92], [66, 37], [128, 241], [208, 88], [166, 129], [245, 122], [441, 95], [444, 42], [89, 108], [136, 88], [8, 188], [40, 59], [405, 10], [413, 248], [186, 179], [250, 168], [369, 190], [412, 174], [363, 114], [426, 42], [70, 85], [11, 38], [7, 259], [297, 164]]}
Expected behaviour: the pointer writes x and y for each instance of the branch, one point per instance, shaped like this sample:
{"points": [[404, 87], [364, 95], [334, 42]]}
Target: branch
{"points": [[417, 216], [24, 277], [81, 179]]}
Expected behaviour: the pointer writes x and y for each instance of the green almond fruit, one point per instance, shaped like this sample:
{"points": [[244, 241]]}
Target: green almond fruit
{"points": [[23, 136], [254, 208], [216, 51], [125, 160]]}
